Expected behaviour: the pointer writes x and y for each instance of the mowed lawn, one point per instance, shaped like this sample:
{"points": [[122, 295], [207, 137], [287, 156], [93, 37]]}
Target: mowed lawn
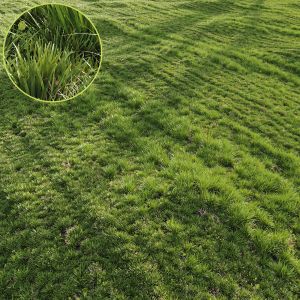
{"points": [[176, 175]]}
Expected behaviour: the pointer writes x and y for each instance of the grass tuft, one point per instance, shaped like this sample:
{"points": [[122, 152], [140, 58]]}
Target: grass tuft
{"points": [[52, 52]]}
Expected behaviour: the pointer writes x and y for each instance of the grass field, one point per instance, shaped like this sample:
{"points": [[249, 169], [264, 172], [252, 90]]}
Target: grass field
{"points": [[176, 175]]}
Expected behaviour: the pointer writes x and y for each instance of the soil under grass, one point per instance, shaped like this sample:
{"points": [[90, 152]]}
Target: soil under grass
{"points": [[176, 176], [52, 52]]}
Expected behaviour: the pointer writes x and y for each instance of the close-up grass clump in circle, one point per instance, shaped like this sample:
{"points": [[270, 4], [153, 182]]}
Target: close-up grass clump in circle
{"points": [[52, 52]]}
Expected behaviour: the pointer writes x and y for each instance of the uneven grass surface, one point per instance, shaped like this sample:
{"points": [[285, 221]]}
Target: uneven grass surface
{"points": [[177, 176]]}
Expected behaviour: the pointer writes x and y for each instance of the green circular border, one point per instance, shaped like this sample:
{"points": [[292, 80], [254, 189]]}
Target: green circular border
{"points": [[52, 101]]}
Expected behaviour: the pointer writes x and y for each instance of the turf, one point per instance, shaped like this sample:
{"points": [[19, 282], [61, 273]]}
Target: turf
{"points": [[176, 176]]}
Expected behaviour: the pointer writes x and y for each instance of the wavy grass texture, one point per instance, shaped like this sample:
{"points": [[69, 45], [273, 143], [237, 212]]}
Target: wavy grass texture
{"points": [[52, 52], [176, 176]]}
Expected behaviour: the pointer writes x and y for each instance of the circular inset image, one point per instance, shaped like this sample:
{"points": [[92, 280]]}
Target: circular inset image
{"points": [[52, 52]]}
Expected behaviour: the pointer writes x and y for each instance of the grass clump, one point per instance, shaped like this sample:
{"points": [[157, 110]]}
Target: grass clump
{"points": [[52, 52]]}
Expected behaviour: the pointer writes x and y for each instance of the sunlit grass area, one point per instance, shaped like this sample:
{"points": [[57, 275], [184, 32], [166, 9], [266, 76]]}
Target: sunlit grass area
{"points": [[176, 175]]}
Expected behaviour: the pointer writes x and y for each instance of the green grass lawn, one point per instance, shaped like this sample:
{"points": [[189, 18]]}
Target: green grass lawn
{"points": [[176, 175]]}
